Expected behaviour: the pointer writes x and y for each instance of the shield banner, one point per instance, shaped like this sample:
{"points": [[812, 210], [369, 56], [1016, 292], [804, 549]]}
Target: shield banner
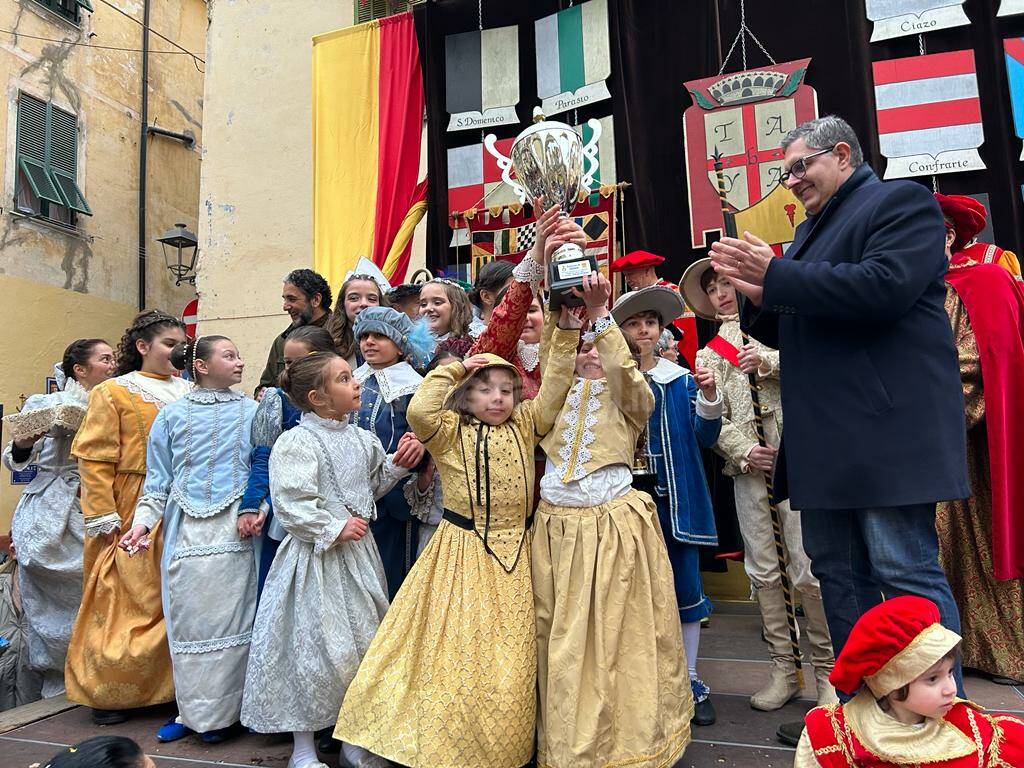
{"points": [[743, 117]]}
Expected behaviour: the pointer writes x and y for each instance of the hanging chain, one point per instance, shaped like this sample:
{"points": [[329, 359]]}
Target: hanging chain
{"points": [[920, 45], [741, 38], [480, 15]]}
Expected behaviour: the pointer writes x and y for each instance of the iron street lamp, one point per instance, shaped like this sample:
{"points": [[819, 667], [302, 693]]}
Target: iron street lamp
{"points": [[180, 253]]}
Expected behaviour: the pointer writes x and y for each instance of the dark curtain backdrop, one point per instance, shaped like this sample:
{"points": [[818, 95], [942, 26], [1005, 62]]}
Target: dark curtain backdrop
{"points": [[657, 45]]}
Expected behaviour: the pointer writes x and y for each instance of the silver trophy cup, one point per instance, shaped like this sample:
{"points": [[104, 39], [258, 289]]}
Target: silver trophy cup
{"points": [[550, 161]]}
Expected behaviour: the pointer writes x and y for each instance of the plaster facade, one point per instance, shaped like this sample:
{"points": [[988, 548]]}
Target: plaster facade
{"points": [[256, 188], [61, 282]]}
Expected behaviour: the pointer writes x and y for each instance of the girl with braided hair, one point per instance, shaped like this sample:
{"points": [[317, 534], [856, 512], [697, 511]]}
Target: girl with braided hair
{"points": [[118, 658]]}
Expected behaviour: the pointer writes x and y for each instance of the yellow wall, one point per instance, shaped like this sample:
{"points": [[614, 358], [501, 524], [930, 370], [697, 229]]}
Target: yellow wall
{"points": [[39, 321], [58, 284], [256, 222]]}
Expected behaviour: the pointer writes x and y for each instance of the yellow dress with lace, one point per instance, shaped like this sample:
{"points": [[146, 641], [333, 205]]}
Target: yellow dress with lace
{"points": [[118, 656], [611, 668], [450, 678]]}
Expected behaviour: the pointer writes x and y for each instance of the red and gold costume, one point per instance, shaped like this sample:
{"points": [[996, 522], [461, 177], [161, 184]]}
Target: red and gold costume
{"points": [[891, 646], [981, 539]]}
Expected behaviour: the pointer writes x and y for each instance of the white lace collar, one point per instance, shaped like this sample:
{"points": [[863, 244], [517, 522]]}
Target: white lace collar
{"points": [[76, 391], [529, 354], [202, 395], [394, 381], [665, 372], [158, 390], [727, 318], [318, 423]]}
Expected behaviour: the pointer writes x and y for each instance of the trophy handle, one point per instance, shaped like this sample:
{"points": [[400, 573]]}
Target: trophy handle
{"points": [[505, 164], [590, 161]]}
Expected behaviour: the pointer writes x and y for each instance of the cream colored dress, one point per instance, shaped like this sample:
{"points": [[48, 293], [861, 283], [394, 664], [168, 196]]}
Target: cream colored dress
{"points": [[611, 668]]}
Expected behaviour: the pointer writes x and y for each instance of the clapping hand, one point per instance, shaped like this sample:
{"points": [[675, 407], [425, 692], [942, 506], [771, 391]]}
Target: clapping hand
{"points": [[745, 262]]}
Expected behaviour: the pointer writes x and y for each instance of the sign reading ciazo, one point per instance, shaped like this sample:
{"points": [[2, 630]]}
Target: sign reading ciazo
{"points": [[744, 116]]}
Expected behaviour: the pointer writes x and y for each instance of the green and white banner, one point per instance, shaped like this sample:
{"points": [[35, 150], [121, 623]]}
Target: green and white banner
{"points": [[573, 57]]}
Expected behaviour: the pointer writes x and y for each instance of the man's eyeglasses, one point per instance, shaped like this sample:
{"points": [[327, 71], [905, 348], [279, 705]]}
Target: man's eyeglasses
{"points": [[799, 169]]}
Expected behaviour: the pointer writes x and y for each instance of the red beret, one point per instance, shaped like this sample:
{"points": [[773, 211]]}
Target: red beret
{"points": [[637, 260], [966, 213], [891, 645]]}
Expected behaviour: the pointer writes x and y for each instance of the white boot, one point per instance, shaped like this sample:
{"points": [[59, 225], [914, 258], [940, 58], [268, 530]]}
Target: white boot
{"points": [[822, 656], [783, 686]]}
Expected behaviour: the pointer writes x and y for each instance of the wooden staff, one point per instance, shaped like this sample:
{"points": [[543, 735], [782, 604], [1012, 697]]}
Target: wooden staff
{"points": [[729, 230]]}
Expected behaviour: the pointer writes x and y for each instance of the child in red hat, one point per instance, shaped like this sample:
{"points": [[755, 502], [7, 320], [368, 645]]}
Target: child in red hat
{"points": [[906, 712]]}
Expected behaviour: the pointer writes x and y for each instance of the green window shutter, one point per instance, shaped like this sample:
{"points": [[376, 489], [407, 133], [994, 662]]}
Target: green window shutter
{"points": [[32, 146], [85, 4], [63, 167], [367, 10]]}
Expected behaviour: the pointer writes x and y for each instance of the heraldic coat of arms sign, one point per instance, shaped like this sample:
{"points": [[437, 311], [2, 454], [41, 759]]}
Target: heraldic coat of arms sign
{"points": [[744, 116]]}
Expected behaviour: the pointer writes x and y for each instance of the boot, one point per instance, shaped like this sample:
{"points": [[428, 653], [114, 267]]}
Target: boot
{"points": [[822, 655], [783, 686]]}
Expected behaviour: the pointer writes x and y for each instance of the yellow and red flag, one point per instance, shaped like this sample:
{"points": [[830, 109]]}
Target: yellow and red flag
{"points": [[367, 126]]}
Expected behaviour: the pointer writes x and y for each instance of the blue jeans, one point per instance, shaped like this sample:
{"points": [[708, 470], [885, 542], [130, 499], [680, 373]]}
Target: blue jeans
{"points": [[861, 556]]}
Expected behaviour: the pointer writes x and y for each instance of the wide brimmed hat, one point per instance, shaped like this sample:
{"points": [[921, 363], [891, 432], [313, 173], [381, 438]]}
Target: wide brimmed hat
{"points": [[696, 297], [892, 645], [664, 301]]}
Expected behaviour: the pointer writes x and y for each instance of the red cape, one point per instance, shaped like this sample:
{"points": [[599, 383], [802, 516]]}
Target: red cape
{"points": [[995, 306]]}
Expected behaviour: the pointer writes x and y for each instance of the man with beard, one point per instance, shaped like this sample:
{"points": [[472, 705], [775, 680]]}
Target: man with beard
{"points": [[307, 300]]}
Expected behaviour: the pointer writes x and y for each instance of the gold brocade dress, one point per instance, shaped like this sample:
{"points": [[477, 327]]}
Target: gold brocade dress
{"points": [[118, 657], [450, 678], [611, 667]]}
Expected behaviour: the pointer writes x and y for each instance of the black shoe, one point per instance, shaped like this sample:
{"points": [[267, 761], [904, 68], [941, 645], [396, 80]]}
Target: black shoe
{"points": [[703, 709], [789, 733], [328, 744], [109, 716], [704, 713]]}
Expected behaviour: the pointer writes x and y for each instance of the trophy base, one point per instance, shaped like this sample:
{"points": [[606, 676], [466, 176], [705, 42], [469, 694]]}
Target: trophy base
{"points": [[565, 274]]}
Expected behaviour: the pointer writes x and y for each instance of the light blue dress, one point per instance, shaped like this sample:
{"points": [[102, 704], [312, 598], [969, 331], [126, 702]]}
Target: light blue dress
{"points": [[197, 470]]}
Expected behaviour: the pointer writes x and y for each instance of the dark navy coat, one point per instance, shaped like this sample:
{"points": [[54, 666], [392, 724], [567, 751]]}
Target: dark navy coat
{"points": [[870, 379]]}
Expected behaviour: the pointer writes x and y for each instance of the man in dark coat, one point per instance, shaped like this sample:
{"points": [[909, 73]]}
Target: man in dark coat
{"points": [[871, 395]]}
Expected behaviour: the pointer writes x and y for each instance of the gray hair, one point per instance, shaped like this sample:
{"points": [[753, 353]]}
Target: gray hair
{"points": [[825, 132]]}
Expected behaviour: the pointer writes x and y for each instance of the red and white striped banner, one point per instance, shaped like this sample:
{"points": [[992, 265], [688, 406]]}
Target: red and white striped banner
{"points": [[929, 114]]}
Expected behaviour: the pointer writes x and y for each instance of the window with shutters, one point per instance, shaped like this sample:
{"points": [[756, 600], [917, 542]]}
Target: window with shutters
{"points": [[69, 9], [367, 10], [47, 161]]}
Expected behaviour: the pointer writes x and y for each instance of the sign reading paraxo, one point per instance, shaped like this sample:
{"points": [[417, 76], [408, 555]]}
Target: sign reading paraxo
{"points": [[573, 57]]}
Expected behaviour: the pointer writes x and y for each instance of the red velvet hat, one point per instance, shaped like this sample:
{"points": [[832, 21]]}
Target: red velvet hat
{"points": [[637, 260], [966, 213], [891, 645]]}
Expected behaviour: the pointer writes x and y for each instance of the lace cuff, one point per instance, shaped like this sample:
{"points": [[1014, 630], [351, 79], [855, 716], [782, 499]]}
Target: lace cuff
{"points": [[102, 524], [247, 512], [150, 509], [598, 327], [529, 271], [707, 410], [420, 502], [329, 535]]}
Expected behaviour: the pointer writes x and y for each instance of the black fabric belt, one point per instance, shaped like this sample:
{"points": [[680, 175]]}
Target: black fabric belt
{"points": [[466, 523]]}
